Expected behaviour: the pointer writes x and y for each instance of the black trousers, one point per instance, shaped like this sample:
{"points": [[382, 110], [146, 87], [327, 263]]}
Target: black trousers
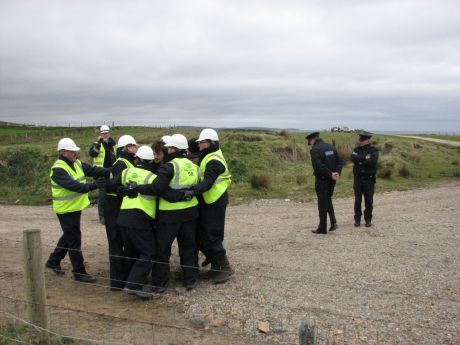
{"points": [[211, 228], [118, 266], [101, 203], [185, 232], [364, 187], [140, 250], [70, 242], [324, 191]]}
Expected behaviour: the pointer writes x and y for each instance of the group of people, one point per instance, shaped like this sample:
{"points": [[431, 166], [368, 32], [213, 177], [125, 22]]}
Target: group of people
{"points": [[327, 168], [175, 189], [148, 197]]}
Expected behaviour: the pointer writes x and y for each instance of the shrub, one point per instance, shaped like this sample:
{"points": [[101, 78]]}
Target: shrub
{"points": [[456, 174], [387, 149], [244, 137], [455, 163], [260, 181], [284, 133], [385, 170], [290, 154], [345, 152], [404, 172], [301, 179], [415, 156]]}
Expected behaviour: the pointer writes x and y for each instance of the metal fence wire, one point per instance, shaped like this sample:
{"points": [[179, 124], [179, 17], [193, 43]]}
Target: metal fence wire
{"points": [[94, 314]]}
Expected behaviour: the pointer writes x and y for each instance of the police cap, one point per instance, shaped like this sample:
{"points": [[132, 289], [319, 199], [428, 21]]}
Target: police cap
{"points": [[312, 135], [364, 135]]}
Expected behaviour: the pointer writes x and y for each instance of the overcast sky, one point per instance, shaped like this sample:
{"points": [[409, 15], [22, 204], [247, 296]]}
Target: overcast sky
{"points": [[378, 65]]}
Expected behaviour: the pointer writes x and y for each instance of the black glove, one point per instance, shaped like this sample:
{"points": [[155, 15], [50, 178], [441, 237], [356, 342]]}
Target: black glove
{"points": [[121, 191], [188, 195], [101, 182], [131, 190]]}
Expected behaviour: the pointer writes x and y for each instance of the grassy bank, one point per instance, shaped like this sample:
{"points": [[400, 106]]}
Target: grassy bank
{"points": [[263, 164]]}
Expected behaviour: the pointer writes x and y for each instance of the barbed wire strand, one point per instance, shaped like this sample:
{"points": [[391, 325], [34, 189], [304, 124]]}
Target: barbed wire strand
{"points": [[407, 294], [155, 323], [41, 329]]}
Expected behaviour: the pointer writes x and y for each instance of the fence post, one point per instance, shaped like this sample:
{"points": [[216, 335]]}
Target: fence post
{"points": [[307, 333], [35, 284]]}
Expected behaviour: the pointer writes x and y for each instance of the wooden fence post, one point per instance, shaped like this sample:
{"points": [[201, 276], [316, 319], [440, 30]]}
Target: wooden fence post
{"points": [[35, 284], [308, 333]]}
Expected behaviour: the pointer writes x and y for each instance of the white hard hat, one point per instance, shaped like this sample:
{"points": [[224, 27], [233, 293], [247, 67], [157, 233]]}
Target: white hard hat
{"points": [[165, 138], [145, 152], [208, 134], [126, 140], [177, 140], [104, 129], [67, 144]]}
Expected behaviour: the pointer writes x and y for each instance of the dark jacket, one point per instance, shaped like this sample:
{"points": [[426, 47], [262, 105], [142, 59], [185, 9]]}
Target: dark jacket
{"points": [[325, 160], [160, 187], [110, 154], [213, 169], [62, 178], [365, 168]]}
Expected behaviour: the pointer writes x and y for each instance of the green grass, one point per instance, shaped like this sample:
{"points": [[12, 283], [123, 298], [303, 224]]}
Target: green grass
{"points": [[13, 334], [25, 162], [441, 136]]}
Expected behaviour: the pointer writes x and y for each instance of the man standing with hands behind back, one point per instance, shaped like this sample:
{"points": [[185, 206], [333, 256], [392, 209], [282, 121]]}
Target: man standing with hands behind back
{"points": [[364, 158], [327, 166]]}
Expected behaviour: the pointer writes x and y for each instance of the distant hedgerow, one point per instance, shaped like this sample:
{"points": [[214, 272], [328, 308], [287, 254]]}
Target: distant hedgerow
{"points": [[260, 181]]}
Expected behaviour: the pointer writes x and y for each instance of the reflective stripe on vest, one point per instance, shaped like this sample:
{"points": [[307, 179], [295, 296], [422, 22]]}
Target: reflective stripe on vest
{"points": [[222, 181], [186, 175], [145, 203], [64, 200], [128, 165]]}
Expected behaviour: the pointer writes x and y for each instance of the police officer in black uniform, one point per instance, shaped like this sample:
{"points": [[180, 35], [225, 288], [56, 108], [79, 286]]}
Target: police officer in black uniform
{"points": [[327, 166], [365, 158]]}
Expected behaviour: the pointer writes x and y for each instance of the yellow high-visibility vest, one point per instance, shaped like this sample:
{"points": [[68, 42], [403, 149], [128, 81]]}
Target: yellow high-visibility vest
{"points": [[64, 200], [146, 203], [222, 182], [186, 175]]}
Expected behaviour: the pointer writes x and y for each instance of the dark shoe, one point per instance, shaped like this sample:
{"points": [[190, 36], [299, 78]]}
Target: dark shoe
{"points": [[225, 272], [55, 268], [102, 220], [319, 232], [333, 227], [84, 278], [211, 273], [368, 223], [139, 293], [190, 285], [357, 223], [159, 289]]}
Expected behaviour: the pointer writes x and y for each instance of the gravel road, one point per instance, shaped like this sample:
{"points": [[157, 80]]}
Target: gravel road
{"points": [[394, 283]]}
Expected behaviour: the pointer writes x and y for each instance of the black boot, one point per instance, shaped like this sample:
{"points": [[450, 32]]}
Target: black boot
{"points": [[209, 274], [225, 271]]}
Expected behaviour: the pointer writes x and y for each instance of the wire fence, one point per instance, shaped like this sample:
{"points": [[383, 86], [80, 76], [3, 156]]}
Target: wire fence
{"points": [[211, 314]]}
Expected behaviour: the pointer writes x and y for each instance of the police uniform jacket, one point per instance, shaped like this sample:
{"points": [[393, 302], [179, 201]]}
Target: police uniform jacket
{"points": [[365, 168], [325, 160]]}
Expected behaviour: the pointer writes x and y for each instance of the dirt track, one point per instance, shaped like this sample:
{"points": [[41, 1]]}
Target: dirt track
{"points": [[394, 283], [434, 140]]}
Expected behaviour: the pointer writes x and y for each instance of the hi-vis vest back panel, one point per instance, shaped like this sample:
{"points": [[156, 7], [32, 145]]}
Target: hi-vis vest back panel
{"points": [[186, 174], [128, 165], [146, 203], [222, 182], [98, 161], [64, 200]]}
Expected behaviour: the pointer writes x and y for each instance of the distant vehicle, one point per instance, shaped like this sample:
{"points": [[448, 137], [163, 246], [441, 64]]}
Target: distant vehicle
{"points": [[344, 129]]}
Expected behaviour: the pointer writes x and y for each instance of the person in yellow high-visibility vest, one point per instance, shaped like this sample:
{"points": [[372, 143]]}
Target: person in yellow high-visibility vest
{"points": [[175, 219], [214, 182], [126, 155], [103, 153], [70, 196]]}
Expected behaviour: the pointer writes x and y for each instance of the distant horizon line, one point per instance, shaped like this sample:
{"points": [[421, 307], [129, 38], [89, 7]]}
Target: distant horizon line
{"points": [[255, 128]]}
